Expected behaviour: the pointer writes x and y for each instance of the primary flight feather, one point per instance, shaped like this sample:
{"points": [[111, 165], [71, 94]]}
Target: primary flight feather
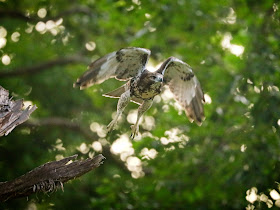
{"points": [[129, 64]]}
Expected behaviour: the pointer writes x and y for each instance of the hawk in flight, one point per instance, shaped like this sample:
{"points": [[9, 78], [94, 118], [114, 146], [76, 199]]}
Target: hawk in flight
{"points": [[129, 64]]}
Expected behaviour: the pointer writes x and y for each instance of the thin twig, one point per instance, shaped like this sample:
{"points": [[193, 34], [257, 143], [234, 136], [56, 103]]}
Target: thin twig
{"points": [[42, 66]]}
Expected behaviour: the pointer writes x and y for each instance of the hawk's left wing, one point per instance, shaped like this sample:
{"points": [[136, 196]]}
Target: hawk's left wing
{"points": [[185, 86], [122, 64]]}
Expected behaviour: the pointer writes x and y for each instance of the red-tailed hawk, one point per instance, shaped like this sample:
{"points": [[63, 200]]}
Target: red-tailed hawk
{"points": [[129, 64]]}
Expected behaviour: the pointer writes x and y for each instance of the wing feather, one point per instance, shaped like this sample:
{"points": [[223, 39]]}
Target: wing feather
{"points": [[123, 65], [179, 77]]}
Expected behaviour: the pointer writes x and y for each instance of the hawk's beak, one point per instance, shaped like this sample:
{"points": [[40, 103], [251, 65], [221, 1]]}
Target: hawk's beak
{"points": [[159, 78]]}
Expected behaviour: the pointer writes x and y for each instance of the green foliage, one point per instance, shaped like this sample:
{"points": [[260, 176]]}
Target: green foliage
{"points": [[176, 164]]}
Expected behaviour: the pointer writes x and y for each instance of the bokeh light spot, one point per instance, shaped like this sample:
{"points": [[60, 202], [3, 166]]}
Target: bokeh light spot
{"points": [[274, 194], [90, 46], [233, 48], [83, 148], [252, 195], [3, 32], [3, 42], [50, 24], [148, 154], [208, 99], [40, 27], [243, 148], [99, 129], [42, 13], [6, 60], [15, 36], [122, 146], [132, 116], [96, 145]]}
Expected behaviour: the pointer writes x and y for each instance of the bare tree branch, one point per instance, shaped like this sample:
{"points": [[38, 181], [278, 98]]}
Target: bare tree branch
{"points": [[43, 66], [48, 177], [65, 123], [14, 14], [11, 113]]}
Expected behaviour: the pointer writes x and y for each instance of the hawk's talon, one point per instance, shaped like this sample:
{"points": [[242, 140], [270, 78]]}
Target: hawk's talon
{"points": [[134, 131], [111, 126]]}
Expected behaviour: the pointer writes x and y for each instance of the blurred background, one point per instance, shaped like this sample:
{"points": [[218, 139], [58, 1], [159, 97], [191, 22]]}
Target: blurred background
{"points": [[231, 162]]}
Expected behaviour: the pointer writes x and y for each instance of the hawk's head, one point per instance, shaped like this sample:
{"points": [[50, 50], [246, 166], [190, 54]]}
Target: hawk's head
{"points": [[156, 77], [151, 77]]}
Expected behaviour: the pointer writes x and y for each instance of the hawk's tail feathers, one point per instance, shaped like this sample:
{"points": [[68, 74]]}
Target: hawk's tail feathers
{"points": [[119, 91], [116, 93]]}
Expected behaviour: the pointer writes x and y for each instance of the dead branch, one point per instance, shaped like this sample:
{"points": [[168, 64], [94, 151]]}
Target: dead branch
{"points": [[48, 177], [43, 66], [11, 113]]}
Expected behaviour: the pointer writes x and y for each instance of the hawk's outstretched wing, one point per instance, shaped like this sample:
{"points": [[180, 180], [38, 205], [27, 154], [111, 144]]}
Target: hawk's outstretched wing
{"points": [[185, 87], [122, 64]]}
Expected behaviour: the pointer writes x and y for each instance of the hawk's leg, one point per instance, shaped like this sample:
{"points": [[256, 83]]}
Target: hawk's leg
{"points": [[142, 108], [122, 103]]}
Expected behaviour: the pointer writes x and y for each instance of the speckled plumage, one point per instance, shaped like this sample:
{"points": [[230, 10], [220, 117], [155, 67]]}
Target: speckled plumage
{"points": [[130, 64]]}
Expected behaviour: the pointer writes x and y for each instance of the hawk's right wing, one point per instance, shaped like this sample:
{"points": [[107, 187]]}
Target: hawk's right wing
{"points": [[182, 82], [123, 65]]}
